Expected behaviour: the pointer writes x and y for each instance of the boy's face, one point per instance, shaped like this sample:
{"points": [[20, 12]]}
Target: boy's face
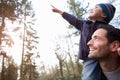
{"points": [[96, 14], [99, 47]]}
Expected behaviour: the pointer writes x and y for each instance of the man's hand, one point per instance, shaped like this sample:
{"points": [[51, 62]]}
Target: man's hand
{"points": [[118, 50]]}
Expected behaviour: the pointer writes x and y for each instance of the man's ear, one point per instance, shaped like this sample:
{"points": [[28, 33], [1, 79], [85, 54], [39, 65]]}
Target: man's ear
{"points": [[114, 46]]}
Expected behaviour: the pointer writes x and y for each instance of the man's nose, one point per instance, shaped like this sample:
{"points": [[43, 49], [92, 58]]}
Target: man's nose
{"points": [[89, 42]]}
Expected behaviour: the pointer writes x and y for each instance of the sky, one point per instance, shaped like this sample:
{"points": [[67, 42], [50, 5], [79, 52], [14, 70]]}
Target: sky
{"points": [[51, 26]]}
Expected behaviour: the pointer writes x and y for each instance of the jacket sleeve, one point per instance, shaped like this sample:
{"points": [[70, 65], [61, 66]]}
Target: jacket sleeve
{"points": [[73, 20]]}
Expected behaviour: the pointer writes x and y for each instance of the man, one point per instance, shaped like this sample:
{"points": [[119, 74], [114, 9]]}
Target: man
{"points": [[103, 46]]}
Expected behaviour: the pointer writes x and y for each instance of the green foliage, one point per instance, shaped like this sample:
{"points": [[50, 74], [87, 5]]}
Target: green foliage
{"points": [[76, 8], [54, 73]]}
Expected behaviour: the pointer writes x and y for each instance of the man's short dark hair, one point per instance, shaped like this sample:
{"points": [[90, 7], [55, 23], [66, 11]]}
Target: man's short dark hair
{"points": [[113, 33]]}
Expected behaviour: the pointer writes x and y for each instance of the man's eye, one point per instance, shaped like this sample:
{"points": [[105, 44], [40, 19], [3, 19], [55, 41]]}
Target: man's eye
{"points": [[96, 38]]}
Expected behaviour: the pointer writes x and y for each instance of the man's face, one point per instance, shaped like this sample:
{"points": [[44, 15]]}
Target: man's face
{"points": [[99, 47], [96, 13]]}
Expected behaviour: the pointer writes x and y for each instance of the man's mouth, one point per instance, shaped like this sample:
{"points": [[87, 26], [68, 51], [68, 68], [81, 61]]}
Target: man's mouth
{"points": [[92, 49]]}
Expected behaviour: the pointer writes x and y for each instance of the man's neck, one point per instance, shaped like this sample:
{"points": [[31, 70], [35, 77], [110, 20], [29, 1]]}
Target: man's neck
{"points": [[110, 65]]}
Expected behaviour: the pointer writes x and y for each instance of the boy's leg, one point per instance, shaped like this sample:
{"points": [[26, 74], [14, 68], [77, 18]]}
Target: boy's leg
{"points": [[91, 70]]}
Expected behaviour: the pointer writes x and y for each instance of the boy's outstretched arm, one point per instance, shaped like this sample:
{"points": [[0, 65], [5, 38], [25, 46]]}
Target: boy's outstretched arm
{"points": [[54, 9]]}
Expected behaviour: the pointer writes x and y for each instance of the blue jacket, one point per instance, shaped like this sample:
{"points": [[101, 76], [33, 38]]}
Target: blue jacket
{"points": [[86, 29]]}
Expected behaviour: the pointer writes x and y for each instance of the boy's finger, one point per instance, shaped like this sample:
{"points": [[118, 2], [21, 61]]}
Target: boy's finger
{"points": [[52, 6]]}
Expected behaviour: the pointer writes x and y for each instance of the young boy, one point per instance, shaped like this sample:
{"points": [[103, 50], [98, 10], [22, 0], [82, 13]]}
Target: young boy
{"points": [[101, 14]]}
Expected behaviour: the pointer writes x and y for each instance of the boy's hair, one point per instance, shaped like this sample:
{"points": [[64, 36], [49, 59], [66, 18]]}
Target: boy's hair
{"points": [[108, 10], [112, 34]]}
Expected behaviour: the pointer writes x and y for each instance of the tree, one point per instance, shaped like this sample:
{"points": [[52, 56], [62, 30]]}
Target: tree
{"points": [[61, 57], [3, 53], [8, 67], [29, 35], [11, 68], [19, 11], [7, 12], [68, 67], [29, 68]]}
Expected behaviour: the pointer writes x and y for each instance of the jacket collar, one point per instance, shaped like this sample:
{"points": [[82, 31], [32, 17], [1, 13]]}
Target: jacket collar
{"points": [[97, 21]]}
